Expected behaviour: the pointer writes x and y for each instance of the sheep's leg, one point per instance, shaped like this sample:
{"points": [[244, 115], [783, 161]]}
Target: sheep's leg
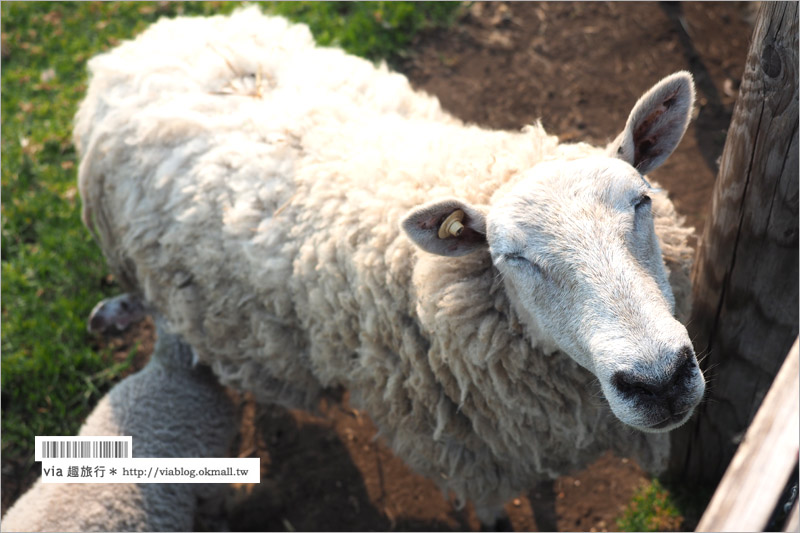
{"points": [[543, 504], [117, 313], [493, 517]]}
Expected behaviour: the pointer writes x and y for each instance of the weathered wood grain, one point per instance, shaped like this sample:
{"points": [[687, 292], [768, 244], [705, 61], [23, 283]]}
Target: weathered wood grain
{"points": [[745, 282], [766, 458]]}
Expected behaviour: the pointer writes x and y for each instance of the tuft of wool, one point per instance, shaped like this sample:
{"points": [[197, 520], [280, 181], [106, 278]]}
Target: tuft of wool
{"points": [[250, 185]]}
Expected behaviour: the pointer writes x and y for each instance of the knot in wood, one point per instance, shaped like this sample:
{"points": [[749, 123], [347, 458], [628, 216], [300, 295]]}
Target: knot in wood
{"points": [[771, 61]]}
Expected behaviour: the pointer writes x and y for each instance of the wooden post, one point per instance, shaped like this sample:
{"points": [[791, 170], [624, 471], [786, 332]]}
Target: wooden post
{"points": [[765, 461], [745, 281]]}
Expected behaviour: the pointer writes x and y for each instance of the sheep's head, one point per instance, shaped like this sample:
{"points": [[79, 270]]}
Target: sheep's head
{"points": [[576, 245]]}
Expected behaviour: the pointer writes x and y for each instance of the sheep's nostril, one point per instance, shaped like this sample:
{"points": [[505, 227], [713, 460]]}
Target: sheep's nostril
{"points": [[629, 384], [684, 367], [685, 356], [684, 370], [635, 385]]}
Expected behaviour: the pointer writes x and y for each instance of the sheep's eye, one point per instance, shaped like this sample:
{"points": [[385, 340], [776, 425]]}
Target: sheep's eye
{"points": [[641, 211], [642, 201], [519, 260]]}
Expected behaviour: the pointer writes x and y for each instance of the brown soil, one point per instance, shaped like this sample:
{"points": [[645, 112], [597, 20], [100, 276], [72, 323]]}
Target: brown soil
{"points": [[327, 472], [579, 67]]}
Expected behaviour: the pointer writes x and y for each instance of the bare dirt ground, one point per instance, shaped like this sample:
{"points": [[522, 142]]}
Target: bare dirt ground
{"points": [[579, 67]]}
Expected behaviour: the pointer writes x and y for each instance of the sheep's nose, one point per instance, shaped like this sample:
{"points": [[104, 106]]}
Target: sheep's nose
{"points": [[662, 391]]}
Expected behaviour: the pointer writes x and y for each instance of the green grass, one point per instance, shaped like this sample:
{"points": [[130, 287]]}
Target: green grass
{"points": [[52, 271], [375, 30], [652, 508]]}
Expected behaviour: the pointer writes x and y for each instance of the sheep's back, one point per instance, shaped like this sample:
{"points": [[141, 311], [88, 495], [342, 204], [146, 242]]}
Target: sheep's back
{"points": [[225, 177]]}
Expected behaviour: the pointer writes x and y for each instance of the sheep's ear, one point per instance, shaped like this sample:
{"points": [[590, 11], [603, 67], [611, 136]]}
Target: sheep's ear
{"points": [[447, 227], [656, 123]]}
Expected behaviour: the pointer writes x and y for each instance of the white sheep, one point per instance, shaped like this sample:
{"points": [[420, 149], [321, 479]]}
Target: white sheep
{"points": [[170, 409], [280, 204]]}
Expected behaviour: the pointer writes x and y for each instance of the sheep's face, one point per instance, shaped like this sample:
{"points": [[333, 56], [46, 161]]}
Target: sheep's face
{"points": [[578, 252], [575, 243]]}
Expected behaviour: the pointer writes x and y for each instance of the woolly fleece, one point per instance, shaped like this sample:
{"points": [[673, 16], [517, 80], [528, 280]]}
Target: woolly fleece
{"points": [[170, 410], [250, 185]]}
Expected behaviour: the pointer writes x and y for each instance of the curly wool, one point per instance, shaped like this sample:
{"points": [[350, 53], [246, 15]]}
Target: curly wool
{"points": [[251, 185]]}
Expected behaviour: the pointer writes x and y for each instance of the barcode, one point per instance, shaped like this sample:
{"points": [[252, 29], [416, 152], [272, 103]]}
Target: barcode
{"points": [[82, 448]]}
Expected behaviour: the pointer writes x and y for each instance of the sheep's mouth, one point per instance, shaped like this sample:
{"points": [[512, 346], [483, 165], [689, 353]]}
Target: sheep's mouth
{"points": [[656, 416], [661, 417], [669, 423], [665, 424]]}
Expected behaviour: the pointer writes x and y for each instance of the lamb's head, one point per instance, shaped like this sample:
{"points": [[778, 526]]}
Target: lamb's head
{"points": [[576, 246]]}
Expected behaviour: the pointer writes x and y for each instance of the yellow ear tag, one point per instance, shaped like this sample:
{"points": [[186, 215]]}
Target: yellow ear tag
{"points": [[452, 225]]}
